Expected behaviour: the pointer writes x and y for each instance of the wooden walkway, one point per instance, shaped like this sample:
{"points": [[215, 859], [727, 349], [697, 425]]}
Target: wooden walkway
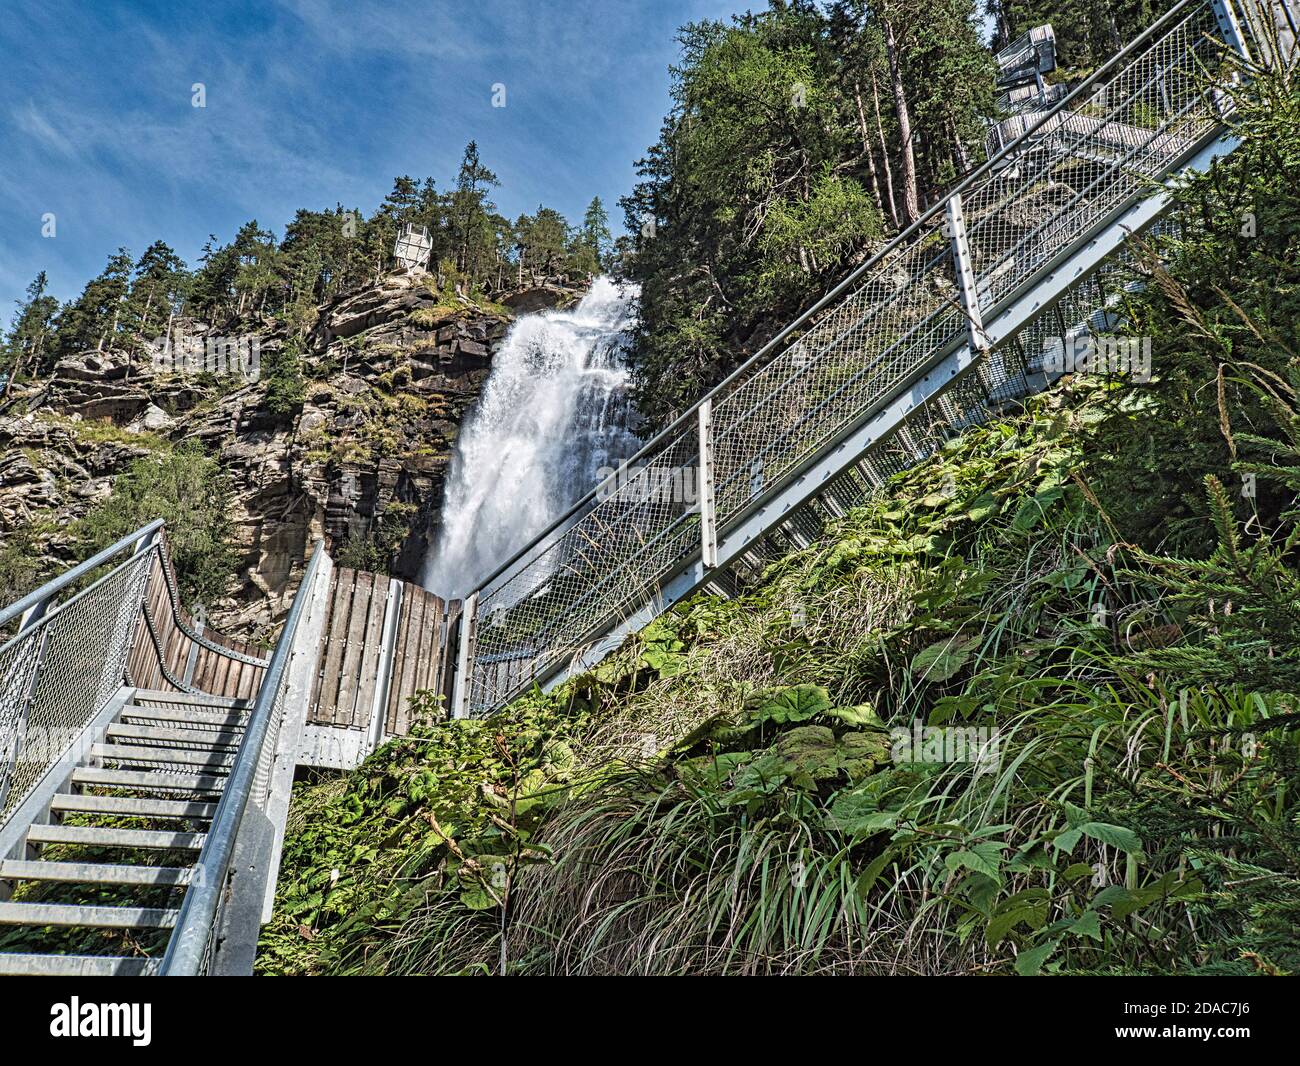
{"points": [[383, 641], [184, 659]]}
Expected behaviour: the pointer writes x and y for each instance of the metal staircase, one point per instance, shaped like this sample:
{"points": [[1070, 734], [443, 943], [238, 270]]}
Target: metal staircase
{"points": [[163, 763], [145, 767], [140, 827], [946, 323]]}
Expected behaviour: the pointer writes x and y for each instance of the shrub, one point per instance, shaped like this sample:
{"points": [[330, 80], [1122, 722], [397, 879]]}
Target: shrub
{"points": [[185, 488]]}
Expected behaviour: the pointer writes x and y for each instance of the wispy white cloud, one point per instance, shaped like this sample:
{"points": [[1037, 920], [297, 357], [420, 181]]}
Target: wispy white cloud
{"points": [[30, 121], [309, 103]]}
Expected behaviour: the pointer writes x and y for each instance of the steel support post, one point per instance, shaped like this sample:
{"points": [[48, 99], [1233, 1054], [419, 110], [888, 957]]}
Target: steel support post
{"points": [[704, 489]]}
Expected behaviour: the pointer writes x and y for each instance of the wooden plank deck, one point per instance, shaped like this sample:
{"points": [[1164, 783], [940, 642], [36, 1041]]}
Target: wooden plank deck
{"points": [[356, 665]]}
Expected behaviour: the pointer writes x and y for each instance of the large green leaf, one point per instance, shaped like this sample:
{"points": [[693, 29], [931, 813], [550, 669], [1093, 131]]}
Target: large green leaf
{"points": [[861, 715], [477, 898], [795, 704], [982, 858], [812, 754], [1033, 509], [1114, 835], [1029, 907], [944, 658], [866, 822], [1030, 963]]}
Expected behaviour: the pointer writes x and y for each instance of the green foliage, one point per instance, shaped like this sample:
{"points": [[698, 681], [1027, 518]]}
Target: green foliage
{"points": [[375, 549], [542, 240], [828, 226], [23, 350], [411, 825], [158, 288], [282, 374], [93, 319], [186, 489], [1223, 315], [591, 248], [361, 553], [20, 564]]}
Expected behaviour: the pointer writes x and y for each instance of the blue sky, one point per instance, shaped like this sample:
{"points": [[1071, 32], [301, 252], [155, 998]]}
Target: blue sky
{"points": [[309, 103]]}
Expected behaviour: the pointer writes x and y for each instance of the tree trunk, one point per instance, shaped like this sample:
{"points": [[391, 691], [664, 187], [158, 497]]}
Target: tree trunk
{"points": [[960, 155], [867, 149], [15, 369], [144, 318], [911, 208], [884, 152]]}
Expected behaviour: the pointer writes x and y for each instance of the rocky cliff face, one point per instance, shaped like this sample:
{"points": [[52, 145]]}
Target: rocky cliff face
{"points": [[389, 375]]}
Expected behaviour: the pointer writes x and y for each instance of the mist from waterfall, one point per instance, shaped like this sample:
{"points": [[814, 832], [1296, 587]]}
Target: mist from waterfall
{"points": [[554, 410]]}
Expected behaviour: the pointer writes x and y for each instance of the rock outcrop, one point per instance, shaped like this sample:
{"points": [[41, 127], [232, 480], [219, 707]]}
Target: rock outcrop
{"points": [[389, 373]]}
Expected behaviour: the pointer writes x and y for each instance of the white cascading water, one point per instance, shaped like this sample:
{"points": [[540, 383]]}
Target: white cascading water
{"points": [[554, 410]]}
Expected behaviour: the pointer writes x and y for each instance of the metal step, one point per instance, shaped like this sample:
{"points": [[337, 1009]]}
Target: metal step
{"points": [[209, 738], [206, 719], [95, 873], [63, 914], [147, 780], [130, 753], [133, 805], [13, 964], [114, 838]]}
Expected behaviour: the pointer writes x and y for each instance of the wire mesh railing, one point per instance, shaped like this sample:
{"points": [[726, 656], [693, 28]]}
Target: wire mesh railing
{"points": [[1071, 171], [68, 653], [1071, 175], [65, 660]]}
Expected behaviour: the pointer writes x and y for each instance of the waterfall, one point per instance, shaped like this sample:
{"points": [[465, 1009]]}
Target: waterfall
{"points": [[553, 411]]}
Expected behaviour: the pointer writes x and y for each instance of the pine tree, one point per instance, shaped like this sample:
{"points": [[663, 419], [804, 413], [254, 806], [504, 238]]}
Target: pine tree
{"points": [[214, 282], [590, 248], [94, 318], [471, 213], [22, 351], [157, 291], [542, 241], [258, 274]]}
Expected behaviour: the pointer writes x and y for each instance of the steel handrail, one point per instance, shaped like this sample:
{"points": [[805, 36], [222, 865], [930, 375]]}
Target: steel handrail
{"points": [[173, 597], [41, 609], [47, 591]]}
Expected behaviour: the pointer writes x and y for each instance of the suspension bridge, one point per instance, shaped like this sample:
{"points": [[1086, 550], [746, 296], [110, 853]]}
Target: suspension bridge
{"points": [[146, 764]]}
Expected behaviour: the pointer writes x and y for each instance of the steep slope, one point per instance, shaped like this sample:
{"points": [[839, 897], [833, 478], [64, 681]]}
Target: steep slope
{"points": [[1031, 709]]}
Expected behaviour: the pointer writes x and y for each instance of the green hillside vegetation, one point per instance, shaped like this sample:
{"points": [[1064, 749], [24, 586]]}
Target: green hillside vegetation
{"points": [[258, 280], [1087, 587]]}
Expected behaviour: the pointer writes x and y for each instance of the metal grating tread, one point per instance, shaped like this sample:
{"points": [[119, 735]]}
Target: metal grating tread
{"points": [[132, 806], [73, 915], [92, 873], [114, 838], [15, 964]]}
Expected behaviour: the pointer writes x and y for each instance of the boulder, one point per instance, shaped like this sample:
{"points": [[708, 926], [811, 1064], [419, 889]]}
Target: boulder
{"points": [[154, 420], [537, 298]]}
